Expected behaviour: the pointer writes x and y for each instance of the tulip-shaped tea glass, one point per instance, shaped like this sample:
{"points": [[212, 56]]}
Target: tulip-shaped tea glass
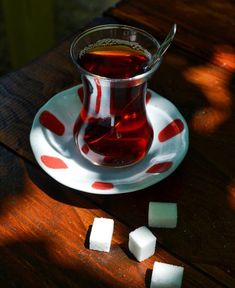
{"points": [[112, 128]]}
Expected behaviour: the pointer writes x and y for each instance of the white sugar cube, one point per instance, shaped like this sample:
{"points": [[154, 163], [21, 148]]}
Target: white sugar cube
{"points": [[162, 215], [101, 234], [142, 243], [166, 275]]}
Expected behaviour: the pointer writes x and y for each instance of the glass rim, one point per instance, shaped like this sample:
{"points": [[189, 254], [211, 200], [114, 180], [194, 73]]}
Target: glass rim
{"points": [[113, 26]]}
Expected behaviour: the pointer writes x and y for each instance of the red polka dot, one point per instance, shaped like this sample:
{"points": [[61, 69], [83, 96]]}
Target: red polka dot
{"points": [[81, 93], [102, 185], [98, 97], [53, 162], [171, 130], [160, 167], [49, 121], [85, 149], [148, 96]]}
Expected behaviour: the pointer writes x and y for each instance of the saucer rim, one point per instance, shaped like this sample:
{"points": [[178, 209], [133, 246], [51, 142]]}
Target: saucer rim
{"points": [[156, 177]]}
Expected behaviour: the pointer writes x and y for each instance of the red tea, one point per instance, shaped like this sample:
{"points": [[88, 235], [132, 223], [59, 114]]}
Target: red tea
{"points": [[113, 128], [114, 61]]}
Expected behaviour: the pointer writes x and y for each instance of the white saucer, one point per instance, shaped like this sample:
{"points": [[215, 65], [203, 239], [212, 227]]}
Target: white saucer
{"points": [[51, 139]]}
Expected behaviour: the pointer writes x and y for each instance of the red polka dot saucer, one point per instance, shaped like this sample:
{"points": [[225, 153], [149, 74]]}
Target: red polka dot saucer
{"points": [[51, 139]]}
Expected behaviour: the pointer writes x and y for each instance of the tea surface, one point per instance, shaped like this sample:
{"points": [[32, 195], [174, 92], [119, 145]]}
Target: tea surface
{"points": [[114, 61]]}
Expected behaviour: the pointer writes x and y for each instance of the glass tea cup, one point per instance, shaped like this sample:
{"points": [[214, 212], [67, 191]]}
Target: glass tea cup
{"points": [[112, 128]]}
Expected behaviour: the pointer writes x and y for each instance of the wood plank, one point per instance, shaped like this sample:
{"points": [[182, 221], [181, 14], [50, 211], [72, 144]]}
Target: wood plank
{"points": [[204, 95], [210, 39], [43, 229], [205, 101], [22, 94], [205, 232]]}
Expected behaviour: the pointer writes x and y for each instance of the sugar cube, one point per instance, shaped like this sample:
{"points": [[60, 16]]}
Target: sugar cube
{"points": [[101, 234], [166, 275], [142, 243], [162, 215]]}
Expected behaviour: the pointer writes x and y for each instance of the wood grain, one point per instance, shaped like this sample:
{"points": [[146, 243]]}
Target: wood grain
{"points": [[43, 238], [43, 225], [202, 239], [203, 28], [189, 99]]}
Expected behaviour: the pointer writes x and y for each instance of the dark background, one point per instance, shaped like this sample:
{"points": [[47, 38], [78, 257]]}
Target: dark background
{"points": [[30, 27]]}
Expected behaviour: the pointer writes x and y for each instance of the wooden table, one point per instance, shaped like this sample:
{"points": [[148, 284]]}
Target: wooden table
{"points": [[43, 225]]}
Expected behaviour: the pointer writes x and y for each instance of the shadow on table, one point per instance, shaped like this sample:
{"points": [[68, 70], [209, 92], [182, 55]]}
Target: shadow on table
{"points": [[11, 179], [148, 276], [203, 205], [34, 263], [56, 190]]}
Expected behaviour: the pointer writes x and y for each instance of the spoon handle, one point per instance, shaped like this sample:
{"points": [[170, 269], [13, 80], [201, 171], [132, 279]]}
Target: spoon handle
{"points": [[163, 47]]}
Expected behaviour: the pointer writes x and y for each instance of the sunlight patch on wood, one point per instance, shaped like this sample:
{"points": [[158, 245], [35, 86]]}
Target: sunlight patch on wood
{"points": [[224, 56], [213, 82], [231, 194]]}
